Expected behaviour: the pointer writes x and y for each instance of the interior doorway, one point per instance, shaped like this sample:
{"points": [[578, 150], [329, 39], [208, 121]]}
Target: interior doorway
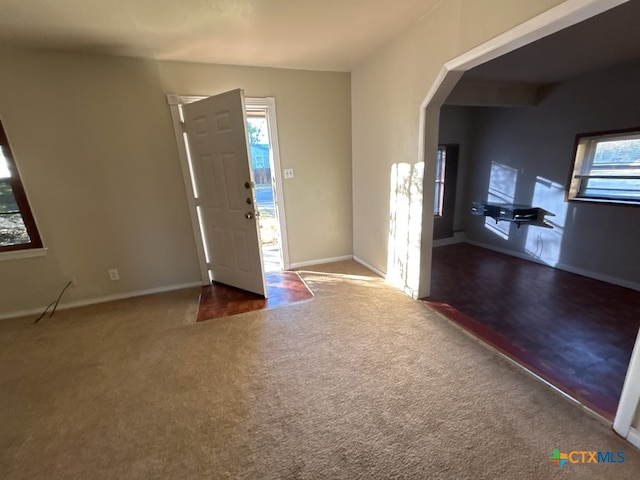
{"points": [[552, 21]]}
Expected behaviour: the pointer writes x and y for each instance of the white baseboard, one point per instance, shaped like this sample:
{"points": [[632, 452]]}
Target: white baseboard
{"points": [[598, 276], [339, 259], [380, 273], [320, 261], [634, 437], [458, 237], [95, 300], [513, 253], [561, 266]]}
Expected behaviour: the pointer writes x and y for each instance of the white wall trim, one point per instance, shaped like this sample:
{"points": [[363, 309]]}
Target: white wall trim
{"points": [[458, 237], [634, 437], [270, 106], [560, 266], [380, 273], [598, 276], [96, 300], [320, 261], [26, 253]]}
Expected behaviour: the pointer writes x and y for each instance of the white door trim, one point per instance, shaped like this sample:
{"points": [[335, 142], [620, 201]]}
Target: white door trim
{"points": [[564, 15], [630, 399], [269, 103]]}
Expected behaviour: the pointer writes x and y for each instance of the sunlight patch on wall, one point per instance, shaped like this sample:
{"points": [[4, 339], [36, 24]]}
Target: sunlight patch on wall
{"points": [[502, 189], [405, 226], [545, 244]]}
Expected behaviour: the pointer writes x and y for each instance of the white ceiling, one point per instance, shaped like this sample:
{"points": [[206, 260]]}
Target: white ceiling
{"points": [[307, 34]]}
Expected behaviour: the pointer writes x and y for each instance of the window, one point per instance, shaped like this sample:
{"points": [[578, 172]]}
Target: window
{"points": [[441, 164], [606, 168], [17, 228]]}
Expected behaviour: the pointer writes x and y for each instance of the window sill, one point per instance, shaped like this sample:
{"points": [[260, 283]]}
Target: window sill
{"points": [[602, 201], [18, 254]]}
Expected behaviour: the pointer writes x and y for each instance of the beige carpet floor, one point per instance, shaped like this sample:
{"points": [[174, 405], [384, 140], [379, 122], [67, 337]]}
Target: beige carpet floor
{"points": [[360, 382]]}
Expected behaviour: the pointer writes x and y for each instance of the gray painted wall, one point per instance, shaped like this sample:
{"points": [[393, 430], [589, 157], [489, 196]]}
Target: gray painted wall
{"points": [[455, 128], [524, 155]]}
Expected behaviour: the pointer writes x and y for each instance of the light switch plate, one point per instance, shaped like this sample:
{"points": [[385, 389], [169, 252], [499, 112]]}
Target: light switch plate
{"points": [[288, 173]]}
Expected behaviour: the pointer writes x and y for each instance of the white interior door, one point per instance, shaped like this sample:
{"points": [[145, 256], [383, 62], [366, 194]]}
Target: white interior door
{"points": [[225, 196]]}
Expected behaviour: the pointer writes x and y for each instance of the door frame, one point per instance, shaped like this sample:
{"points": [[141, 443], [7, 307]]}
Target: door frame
{"points": [[269, 105], [630, 400], [175, 102], [445, 221]]}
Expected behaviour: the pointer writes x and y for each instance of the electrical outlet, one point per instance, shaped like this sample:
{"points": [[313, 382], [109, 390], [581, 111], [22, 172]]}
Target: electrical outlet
{"points": [[288, 173], [113, 274]]}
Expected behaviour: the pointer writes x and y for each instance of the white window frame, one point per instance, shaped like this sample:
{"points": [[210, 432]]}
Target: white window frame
{"points": [[583, 169], [259, 161], [35, 246], [441, 165]]}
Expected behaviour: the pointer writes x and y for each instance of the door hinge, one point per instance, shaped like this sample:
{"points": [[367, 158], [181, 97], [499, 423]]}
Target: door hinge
{"points": [[182, 127]]}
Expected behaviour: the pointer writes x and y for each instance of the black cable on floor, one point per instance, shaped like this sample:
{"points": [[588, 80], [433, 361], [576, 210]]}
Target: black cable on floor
{"points": [[54, 303]]}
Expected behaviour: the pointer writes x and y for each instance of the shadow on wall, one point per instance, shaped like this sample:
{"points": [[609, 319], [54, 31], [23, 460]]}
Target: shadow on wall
{"points": [[405, 226]]}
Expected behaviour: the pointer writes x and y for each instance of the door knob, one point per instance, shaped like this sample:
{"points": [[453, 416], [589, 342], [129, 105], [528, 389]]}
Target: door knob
{"points": [[248, 215], [248, 185]]}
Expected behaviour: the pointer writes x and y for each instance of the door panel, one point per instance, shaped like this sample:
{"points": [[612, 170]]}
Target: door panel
{"points": [[218, 147], [209, 194]]}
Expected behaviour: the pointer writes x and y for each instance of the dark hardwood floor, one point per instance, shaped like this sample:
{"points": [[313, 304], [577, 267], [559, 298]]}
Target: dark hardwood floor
{"points": [[575, 332], [283, 288]]}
